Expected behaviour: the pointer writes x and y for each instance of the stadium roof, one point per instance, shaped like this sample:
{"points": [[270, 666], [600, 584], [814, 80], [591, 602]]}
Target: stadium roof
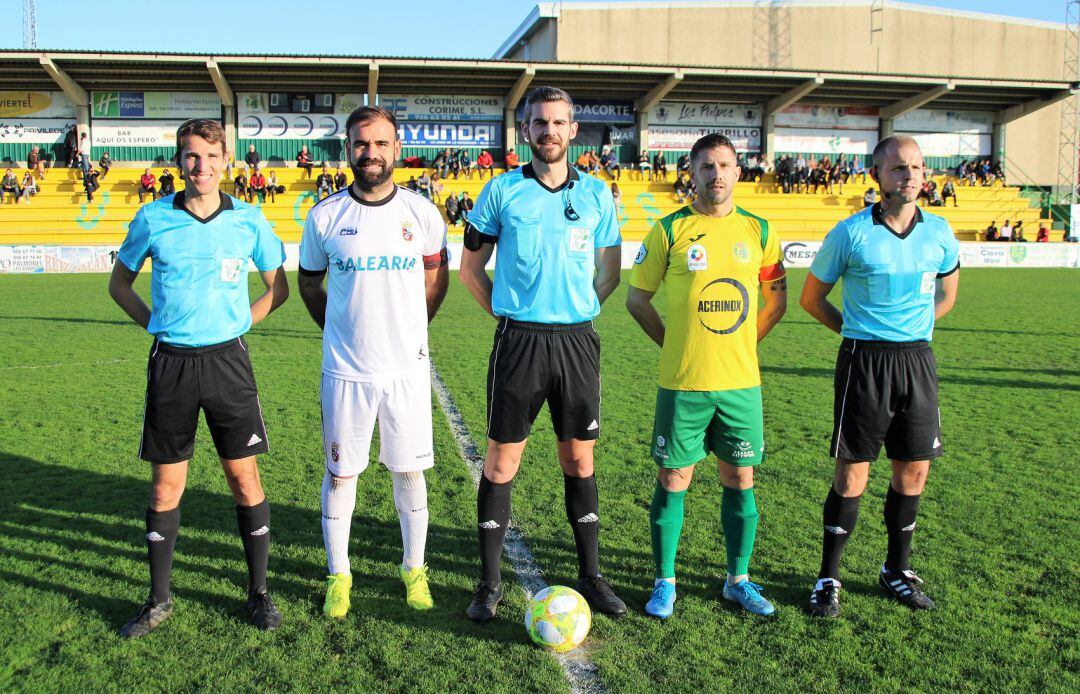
{"points": [[79, 71]]}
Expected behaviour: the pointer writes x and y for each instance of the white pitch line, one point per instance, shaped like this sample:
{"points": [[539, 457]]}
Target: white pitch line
{"points": [[580, 671]]}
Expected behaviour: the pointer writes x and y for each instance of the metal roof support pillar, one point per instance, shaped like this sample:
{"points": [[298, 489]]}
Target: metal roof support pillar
{"points": [[777, 104], [649, 101], [228, 104], [74, 92], [372, 85], [510, 107]]}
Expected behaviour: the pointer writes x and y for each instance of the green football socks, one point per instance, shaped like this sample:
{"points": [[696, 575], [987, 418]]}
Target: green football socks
{"points": [[666, 521], [739, 518]]}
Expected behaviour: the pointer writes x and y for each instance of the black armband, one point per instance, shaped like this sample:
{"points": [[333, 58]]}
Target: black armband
{"points": [[474, 239], [311, 273]]}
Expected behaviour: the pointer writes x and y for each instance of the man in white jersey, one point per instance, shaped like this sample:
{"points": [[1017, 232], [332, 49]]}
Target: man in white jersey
{"points": [[384, 249]]}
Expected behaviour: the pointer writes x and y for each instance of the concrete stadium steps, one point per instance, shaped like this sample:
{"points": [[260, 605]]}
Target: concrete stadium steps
{"points": [[59, 213]]}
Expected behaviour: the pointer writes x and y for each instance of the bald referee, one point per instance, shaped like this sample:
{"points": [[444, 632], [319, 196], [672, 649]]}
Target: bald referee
{"points": [[558, 249], [200, 242], [901, 273]]}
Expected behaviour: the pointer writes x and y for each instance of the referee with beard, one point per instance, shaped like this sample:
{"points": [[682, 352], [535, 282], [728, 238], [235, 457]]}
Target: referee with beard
{"points": [[556, 236]]}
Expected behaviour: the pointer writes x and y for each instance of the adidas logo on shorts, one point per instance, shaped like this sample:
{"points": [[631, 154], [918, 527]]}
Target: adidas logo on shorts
{"points": [[254, 440], [489, 525], [154, 537], [594, 426], [836, 530], [588, 518], [908, 528]]}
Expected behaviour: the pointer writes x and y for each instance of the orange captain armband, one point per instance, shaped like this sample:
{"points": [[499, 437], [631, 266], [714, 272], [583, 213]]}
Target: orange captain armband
{"points": [[772, 273]]}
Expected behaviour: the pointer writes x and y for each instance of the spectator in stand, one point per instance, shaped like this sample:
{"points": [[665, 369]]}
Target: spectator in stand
{"points": [[411, 184], [582, 161], [454, 163], [991, 232], [465, 206], [324, 183], [683, 164], [679, 186], [147, 186], [1043, 235], [29, 187], [594, 162], [303, 161], [691, 189], [423, 185], [441, 163], [485, 162], [998, 172], [935, 196], [84, 153], [35, 162], [610, 162], [105, 163], [240, 184], [785, 172], [1006, 232], [257, 185], [436, 187], [71, 146], [616, 195], [90, 184], [644, 165], [984, 173], [466, 163], [948, 191], [836, 177], [167, 183], [10, 185], [816, 178], [659, 165], [1018, 232], [802, 176], [755, 170], [857, 168], [272, 187], [924, 193], [869, 197], [972, 173], [340, 180], [512, 160], [452, 211], [252, 158]]}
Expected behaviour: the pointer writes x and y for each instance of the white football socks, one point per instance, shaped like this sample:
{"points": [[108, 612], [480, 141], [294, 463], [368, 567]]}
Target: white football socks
{"points": [[338, 502], [410, 498]]}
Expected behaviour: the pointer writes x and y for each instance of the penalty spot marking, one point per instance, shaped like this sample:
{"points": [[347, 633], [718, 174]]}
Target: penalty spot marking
{"points": [[580, 671]]}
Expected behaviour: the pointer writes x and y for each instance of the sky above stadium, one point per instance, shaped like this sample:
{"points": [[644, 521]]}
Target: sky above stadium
{"points": [[442, 28]]}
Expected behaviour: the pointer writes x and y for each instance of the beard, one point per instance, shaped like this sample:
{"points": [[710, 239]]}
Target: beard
{"points": [[368, 180], [548, 159]]}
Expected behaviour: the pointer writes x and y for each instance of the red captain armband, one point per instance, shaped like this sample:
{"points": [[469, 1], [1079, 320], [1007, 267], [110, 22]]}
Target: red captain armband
{"points": [[432, 262], [772, 273]]}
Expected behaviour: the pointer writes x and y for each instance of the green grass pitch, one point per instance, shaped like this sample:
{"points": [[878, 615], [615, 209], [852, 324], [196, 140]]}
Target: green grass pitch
{"points": [[998, 540]]}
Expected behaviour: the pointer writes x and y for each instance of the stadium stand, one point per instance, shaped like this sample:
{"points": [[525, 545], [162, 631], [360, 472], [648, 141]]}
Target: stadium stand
{"points": [[60, 214]]}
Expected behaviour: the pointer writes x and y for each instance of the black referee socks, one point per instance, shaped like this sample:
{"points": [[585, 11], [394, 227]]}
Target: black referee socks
{"points": [[838, 518], [492, 517], [162, 527], [900, 512], [583, 512], [254, 524]]}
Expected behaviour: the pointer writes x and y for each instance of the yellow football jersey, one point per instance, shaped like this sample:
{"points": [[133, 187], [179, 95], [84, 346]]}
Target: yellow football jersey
{"points": [[711, 268]]}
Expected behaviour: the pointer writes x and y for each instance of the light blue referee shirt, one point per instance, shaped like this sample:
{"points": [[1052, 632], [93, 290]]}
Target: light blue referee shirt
{"points": [[545, 244], [889, 277], [198, 280]]}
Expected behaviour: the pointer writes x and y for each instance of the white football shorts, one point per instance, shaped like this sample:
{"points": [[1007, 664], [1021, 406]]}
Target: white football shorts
{"points": [[402, 408]]}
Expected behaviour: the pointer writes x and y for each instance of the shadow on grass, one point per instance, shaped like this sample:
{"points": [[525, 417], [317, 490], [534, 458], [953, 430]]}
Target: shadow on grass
{"points": [[70, 513]]}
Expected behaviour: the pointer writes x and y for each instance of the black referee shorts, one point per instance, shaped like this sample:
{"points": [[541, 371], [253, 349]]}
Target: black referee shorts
{"points": [[886, 392], [535, 362], [219, 380]]}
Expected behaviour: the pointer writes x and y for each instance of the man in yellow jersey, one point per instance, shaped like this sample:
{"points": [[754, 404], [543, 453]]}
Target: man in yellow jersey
{"points": [[712, 257]]}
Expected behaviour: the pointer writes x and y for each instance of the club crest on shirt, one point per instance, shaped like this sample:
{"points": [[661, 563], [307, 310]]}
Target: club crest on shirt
{"points": [[742, 253], [696, 258], [230, 269], [406, 230]]}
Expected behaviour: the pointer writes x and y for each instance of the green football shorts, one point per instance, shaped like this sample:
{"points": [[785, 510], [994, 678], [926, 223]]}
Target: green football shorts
{"points": [[689, 424]]}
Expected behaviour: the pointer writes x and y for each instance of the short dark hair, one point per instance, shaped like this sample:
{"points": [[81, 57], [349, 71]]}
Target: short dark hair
{"points": [[545, 94], [366, 114], [711, 141], [209, 130]]}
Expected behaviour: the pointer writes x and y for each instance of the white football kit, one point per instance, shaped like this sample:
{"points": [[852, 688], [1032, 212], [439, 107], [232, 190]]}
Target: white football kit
{"points": [[375, 360]]}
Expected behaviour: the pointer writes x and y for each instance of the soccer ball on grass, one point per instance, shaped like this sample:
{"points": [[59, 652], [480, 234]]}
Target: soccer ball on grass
{"points": [[558, 618]]}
